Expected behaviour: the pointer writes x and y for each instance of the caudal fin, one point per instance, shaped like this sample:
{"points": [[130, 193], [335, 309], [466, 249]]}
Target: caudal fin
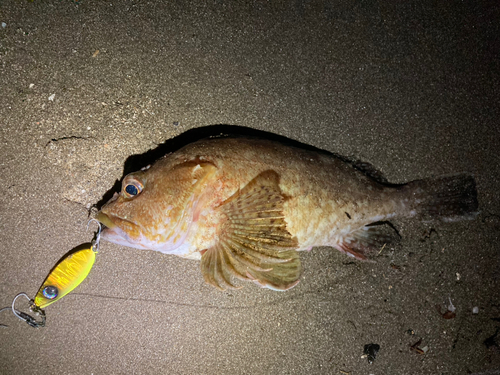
{"points": [[450, 198]]}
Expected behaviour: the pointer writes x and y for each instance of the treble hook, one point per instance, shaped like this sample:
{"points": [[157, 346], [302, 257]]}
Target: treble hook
{"points": [[26, 317]]}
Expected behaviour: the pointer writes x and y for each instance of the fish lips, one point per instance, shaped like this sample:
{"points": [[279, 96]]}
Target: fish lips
{"points": [[114, 234]]}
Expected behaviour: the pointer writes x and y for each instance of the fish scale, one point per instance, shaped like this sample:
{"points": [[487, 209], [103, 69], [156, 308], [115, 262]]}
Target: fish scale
{"points": [[237, 203]]}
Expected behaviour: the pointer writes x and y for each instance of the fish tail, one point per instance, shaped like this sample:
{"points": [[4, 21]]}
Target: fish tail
{"points": [[449, 198]]}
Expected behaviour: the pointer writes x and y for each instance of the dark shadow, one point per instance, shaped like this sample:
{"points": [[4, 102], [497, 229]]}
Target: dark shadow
{"points": [[136, 162]]}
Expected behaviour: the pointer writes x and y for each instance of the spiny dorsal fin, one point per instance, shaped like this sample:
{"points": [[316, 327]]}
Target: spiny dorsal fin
{"points": [[254, 244], [369, 170]]}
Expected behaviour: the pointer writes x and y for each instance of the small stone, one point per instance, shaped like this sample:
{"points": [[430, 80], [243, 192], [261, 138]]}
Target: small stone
{"points": [[371, 350], [51, 98], [475, 310]]}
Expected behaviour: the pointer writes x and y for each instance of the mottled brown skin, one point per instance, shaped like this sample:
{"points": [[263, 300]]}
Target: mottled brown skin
{"points": [[325, 201], [320, 189]]}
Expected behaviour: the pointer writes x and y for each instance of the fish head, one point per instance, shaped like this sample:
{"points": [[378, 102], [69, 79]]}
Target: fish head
{"points": [[156, 206]]}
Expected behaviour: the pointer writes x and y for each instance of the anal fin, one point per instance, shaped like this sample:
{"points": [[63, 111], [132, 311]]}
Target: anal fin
{"points": [[366, 242]]}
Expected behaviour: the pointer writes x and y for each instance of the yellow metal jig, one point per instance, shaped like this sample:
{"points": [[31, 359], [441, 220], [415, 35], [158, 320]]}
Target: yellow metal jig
{"points": [[66, 275]]}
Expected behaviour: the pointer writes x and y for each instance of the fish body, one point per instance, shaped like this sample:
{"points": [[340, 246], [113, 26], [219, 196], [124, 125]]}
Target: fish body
{"points": [[244, 207]]}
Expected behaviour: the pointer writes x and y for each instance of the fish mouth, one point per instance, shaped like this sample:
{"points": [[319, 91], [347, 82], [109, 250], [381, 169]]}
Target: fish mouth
{"points": [[114, 232], [105, 220]]}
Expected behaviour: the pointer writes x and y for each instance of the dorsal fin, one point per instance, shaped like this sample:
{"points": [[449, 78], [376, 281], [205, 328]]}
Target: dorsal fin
{"points": [[369, 170]]}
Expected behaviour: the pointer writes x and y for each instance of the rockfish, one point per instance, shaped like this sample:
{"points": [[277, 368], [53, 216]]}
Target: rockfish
{"points": [[244, 207]]}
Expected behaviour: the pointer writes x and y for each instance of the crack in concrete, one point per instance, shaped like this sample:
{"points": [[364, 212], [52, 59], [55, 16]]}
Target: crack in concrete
{"points": [[55, 140]]}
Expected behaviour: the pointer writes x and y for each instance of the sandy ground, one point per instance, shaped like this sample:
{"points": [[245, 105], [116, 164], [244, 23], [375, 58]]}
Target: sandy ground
{"points": [[412, 89]]}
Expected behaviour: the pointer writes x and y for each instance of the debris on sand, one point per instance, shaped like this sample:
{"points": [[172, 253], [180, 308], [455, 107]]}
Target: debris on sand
{"points": [[417, 349], [370, 352], [449, 313]]}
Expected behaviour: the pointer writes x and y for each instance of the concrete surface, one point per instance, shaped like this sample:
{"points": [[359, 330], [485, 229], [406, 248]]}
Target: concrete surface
{"points": [[412, 88]]}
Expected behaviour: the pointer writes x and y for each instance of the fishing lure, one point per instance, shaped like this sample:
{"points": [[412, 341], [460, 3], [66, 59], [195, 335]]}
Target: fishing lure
{"points": [[66, 275]]}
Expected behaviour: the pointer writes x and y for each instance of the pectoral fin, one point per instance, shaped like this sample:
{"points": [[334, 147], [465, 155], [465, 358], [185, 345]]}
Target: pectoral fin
{"points": [[254, 244]]}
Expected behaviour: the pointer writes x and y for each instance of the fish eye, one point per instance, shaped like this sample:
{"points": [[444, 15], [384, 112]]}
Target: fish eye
{"points": [[132, 189]]}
